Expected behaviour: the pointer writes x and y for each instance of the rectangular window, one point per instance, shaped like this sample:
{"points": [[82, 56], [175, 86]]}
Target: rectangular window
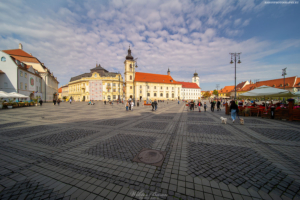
{"points": [[114, 90], [21, 86], [155, 94], [25, 75], [154, 87], [148, 94], [25, 86], [172, 88], [114, 84], [114, 97], [140, 91], [161, 94], [37, 88], [130, 87], [140, 86], [172, 95], [147, 87], [21, 73], [161, 88], [167, 88]]}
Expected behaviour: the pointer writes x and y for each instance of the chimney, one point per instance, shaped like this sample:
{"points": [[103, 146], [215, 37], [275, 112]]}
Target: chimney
{"points": [[20, 46], [169, 73]]}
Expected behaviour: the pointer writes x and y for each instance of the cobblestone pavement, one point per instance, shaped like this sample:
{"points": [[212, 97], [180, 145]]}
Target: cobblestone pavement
{"points": [[86, 152]]}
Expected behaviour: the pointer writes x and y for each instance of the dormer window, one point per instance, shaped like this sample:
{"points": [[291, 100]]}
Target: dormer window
{"points": [[280, 85], [3, 59], [287, 84], [274, 85]]}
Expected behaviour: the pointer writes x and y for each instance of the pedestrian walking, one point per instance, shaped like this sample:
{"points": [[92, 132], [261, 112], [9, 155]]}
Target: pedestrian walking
{"points": [[138, 104], [152, 104], [205, 106], [155, 104], [127, 105], [212, 108], [70, 101], [54, 101], [58, 102], [234, 110], [199, 106], [41, 102], [132, 104], [218, 105]]}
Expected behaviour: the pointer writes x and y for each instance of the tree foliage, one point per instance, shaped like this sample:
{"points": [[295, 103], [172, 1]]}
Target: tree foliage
{"points": [[206, 94], [215, 92]]}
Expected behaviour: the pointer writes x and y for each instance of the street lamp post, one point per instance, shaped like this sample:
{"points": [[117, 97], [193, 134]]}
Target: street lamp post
{"points": [[283, 74], [234, 55], [134, 78]]}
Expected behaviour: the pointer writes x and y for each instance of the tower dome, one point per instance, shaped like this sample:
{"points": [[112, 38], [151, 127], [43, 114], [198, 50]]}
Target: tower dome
{"points": [[195, 74], [129, 56]]}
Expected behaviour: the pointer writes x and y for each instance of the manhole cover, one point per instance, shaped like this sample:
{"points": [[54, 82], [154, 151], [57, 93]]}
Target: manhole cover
{"points": [[151, 157]]}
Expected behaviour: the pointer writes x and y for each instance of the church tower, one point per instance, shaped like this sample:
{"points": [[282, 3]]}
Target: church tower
{"points": [[129, 75], [196, 79]]}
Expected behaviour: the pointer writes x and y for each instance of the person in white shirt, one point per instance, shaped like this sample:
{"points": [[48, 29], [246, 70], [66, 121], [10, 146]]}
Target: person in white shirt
{"points": [[132, 104]]}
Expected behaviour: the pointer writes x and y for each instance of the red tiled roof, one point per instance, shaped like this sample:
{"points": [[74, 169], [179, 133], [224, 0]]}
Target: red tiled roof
{"points": [[2, 72], [297, 84], [60, 90], [17, 52], [26, 59], [188, 85], [154, 78], [227, 89], [277, 83]]}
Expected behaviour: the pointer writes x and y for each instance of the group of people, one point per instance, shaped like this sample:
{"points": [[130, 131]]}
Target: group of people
{"points": [[192, 105], [56, 101], [129, 105], [213, 104]]}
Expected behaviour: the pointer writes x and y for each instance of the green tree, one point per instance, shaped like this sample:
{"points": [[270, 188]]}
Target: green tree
{"points": [[215, 92], [206, 95]]}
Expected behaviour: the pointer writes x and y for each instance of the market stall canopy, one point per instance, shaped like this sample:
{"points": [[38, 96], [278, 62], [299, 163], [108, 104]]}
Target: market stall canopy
{"points": [[266, 91], [4, 94], [297, 94], [19, 95]]}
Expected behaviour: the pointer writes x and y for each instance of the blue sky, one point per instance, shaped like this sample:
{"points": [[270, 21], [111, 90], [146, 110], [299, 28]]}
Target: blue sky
{"points": [[71, 36]]}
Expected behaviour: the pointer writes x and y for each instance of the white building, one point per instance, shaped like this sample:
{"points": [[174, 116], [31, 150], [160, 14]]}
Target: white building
{"points": [[49, 82], [191, 90], [18, 77]]}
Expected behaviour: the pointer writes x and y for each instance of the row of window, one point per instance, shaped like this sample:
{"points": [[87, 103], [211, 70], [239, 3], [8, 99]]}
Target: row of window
{"points": [[25, 75], [148, 87], [161, 94], [21, 87]]}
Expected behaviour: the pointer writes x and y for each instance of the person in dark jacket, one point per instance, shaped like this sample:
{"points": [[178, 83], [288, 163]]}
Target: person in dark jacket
{"points": [[212, 108], [218, 105], [234, 109], [155, 104], [41, 102]]}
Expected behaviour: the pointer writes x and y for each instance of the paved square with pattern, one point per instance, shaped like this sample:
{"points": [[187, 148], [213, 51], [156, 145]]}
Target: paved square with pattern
{"points": [[79, 151]]}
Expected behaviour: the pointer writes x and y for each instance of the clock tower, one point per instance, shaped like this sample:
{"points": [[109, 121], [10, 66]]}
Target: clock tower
{"points": [[129, 75], [196, 79]]}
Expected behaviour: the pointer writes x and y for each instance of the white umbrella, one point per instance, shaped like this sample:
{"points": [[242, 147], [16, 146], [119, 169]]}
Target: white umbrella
{"points": [[7, 95], [266, 91], [4, 94], [19, 95]]}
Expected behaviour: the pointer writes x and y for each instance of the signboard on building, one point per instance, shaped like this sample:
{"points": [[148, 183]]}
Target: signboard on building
{"points": [[31, 83], [96, 90]]}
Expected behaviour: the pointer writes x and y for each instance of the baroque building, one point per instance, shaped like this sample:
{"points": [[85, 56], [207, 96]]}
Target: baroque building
{"points": [[98, 84], [49, 84], [146, 86]]}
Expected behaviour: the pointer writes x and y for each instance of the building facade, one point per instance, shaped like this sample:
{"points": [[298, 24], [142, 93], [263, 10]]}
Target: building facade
{"points": [[191, 90], [65, 91], [18, 77], [98, 84], [49, 82], [146, 86]]}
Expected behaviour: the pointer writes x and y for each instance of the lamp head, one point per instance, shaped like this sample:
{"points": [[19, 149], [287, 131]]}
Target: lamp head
{"points": [[231, 62], [239, 62]]}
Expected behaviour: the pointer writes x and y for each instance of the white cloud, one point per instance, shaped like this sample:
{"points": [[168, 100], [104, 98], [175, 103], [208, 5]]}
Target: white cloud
{"points": [[181, 35]]}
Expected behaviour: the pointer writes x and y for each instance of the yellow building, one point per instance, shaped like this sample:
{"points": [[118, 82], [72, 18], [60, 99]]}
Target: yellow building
{"points": [[98, 84], [143, 86]]}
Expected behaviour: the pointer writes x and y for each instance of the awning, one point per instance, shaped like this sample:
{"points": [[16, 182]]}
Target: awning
{"points": [[266, 91], [19, 95]]}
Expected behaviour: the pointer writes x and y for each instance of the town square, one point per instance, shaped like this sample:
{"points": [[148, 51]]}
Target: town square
{"points": [[148, 100]]}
